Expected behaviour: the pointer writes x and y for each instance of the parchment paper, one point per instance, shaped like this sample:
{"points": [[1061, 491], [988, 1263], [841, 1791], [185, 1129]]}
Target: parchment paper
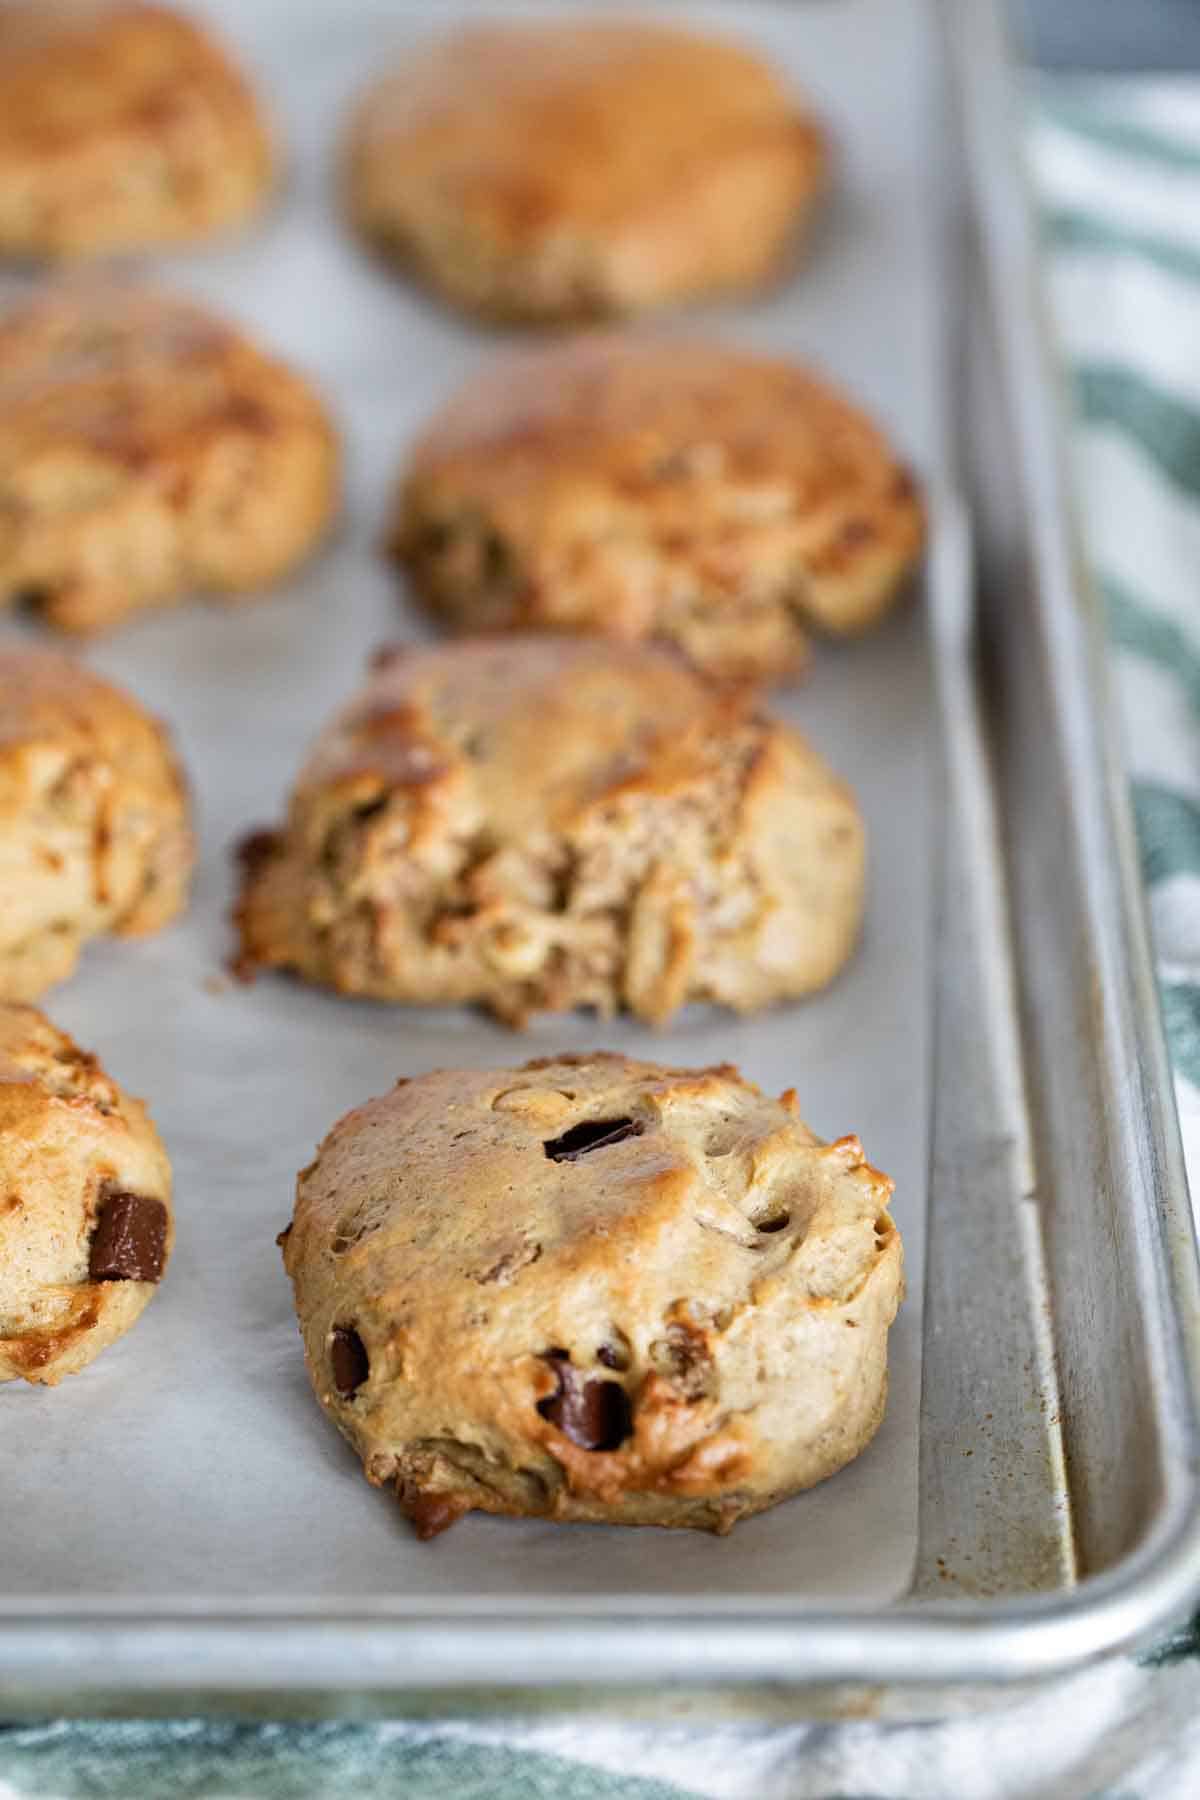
{"points": [[190, 1464]]}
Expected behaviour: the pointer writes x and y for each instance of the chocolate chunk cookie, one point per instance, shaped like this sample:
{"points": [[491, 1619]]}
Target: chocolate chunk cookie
{"points": [[722, 501], [148, 451], [565, 169], [85, 1203], [592, 1288], [552, 822], [123, 126], [94, 819]]}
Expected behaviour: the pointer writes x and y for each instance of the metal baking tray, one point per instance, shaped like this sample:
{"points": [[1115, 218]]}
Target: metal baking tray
{"points": [[190, 1530]]}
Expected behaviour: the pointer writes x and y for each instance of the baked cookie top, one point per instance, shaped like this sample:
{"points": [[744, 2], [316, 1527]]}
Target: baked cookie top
{"points": [[46, 1078], [52, 704], [147, 446], [518, 736], [85, 1189], [122, 124], [551, 822], [570, 167], [95, 830], [132, 379], [646, 486], [631, 1288]]}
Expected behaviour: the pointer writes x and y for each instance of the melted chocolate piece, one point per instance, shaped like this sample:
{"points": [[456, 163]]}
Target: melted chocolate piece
{"points": [[592, 1134], [255, 849], [596, 1415], [348, 1360], [130, 1239], [431, 1514]]}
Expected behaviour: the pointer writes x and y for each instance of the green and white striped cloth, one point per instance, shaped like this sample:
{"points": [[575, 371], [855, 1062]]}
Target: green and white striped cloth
{"points": [[1118, 167]]}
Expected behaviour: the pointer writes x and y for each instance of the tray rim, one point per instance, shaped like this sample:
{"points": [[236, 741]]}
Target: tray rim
{"points": [[61, 1652]]}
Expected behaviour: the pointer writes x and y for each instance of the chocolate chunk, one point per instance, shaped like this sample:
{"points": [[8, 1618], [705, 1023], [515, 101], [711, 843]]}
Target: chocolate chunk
{"points": [[130, 1239], [255, 849], [435, 538], [682, 1358], [615, 1352], [596, 1415], [370, 809], [430, 1514], [592, 1134], [497, 560], [385, 656], [348, 1360]]}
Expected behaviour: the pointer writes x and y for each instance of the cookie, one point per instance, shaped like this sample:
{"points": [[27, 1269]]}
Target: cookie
{"points": [[545, 823], [721, 501], [147, 451], [122, 127], [592, 1288], [85, 1203], [94, 827], [571, 169]]}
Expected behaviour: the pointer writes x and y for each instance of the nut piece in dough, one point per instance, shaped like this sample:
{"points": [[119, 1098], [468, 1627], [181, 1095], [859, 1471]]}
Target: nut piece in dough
{"points": [[148, 451], [721, 501], [85, 1203], [574, 169], [123, 126], [550, 822], [94, 819], [592, 1288]]}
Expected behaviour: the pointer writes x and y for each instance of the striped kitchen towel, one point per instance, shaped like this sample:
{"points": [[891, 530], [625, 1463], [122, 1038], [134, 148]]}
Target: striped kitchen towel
{"points": [[1118, 168]]}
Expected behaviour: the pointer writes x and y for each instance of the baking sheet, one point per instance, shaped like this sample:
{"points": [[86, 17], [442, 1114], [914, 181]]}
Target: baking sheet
{"points": [[191, 1464]]}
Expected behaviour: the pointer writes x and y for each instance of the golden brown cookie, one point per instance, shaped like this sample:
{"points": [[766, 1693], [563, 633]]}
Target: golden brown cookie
{"points": [[94, 827], [592, 1288], [545, 823], [123, 126], [644, 487], [148, 450], [569, 169], [85, 1203]]}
